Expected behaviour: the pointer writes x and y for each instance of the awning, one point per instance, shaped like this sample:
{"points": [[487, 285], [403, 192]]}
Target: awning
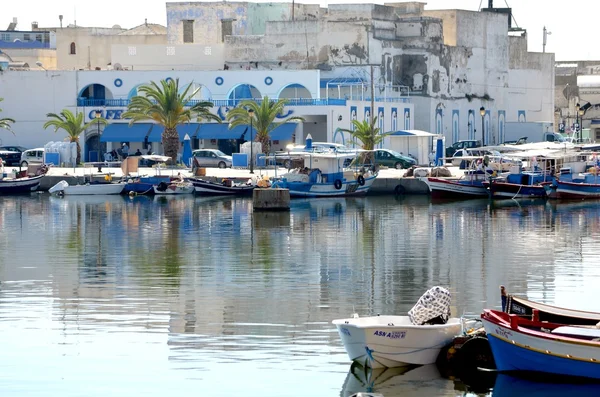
{"points": [[284, 132], [222, 131], [122, 132], [156, 133], [342, 81], [410, 133], [190, 129]]}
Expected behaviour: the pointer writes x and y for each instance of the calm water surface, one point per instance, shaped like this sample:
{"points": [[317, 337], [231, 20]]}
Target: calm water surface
{"points": [[199, 296]]}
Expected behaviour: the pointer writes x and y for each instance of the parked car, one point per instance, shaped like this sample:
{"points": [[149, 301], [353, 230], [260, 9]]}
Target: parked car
{"points": [[391, 158], [32, 156], [10, 157], [211, 158], [18, 149], [467, 144]]}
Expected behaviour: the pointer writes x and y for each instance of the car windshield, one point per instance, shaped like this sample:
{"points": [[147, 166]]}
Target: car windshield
{"points": [[219, 153], [395, 153]]}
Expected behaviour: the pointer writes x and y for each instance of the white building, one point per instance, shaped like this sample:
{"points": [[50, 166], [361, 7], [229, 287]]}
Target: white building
{"points": [[30, 95]]}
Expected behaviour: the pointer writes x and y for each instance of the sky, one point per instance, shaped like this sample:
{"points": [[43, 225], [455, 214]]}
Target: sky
{"points": [[571, 28]]}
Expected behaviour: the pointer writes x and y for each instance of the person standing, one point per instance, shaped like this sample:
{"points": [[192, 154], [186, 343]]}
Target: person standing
{"points": [[125, 150]]}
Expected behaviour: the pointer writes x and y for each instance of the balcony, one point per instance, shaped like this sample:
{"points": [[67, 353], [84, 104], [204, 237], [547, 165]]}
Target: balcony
{"points": [[122, 103]]}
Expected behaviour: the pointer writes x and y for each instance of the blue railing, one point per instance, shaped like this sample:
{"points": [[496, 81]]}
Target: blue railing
{"points": [[216, 102]]}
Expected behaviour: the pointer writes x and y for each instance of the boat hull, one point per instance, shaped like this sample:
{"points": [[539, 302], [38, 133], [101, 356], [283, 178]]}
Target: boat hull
{"points": [[94, 189], [443, 188], [513, 190], [174, 189], [387, 345], [312, 190], [218, 189], [576, 191], [20, 185], [515, 350], [525, 308]]}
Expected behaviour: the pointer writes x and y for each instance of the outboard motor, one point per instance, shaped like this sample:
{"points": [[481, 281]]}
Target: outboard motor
{"points": [[161, 187], [433, 307]]}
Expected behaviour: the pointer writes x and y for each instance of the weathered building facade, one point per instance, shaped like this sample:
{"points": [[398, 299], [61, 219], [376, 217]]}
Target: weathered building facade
{"points": [[454, 64]]}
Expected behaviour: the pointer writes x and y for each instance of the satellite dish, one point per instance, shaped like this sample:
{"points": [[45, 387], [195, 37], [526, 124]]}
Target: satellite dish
{"points": [[117, 66], [117, 27]]}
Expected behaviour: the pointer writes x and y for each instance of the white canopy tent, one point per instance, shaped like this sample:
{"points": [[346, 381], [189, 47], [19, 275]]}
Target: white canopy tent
{"points": [[416, 142]]}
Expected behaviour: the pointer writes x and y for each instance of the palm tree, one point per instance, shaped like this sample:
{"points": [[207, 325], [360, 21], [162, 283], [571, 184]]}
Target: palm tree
{"points": [[367, 132], [263, 118], [166, 106], [73, 125], [5, 122]]}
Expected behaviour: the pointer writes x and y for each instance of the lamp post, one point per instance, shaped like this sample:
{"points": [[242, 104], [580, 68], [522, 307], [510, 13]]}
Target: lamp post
{"points": [[577, 126], [482, 113], [98, 115], [581, 112], [251, 114]]}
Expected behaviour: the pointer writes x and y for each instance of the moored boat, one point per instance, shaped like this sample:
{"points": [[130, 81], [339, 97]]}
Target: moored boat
{"points": [[324, 175], [19, 185], [523, 184], [225, 188], [396, 341], [520, 344], [541, 312], [93, 188], [174, 187], [575, 186], [469, 186]]}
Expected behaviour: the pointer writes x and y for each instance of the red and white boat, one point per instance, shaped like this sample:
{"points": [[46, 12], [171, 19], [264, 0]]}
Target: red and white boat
{"points": [[470, 185]]}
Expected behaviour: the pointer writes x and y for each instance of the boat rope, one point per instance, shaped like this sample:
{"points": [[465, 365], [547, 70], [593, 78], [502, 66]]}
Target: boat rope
{"points": [[518, 191]]}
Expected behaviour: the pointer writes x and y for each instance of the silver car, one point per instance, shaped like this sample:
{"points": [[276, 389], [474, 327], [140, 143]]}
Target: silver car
{"points": [[32, 156], [211, 158]]}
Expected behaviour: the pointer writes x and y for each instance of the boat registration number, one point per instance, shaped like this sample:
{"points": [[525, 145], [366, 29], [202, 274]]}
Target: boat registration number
{"points": [[391, 335]]}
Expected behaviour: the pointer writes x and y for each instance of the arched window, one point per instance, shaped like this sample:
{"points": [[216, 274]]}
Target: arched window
{"points": [[73, 49]]}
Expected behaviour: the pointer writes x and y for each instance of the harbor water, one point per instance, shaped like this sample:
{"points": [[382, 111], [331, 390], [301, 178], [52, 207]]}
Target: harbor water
{"points": [[191, 296]]}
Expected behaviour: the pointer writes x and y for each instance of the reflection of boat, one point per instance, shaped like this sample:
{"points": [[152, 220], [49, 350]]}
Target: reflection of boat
{"points": [[93, 188], [519, 344], [361, 379], [526, 308], [227, 188], [173, 188], [394, 341], [507, 385], [324, 175]]}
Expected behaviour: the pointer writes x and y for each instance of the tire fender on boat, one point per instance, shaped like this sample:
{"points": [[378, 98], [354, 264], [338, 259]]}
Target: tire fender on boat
{"points": [[361, 180], [337, 184], [399, 190]]}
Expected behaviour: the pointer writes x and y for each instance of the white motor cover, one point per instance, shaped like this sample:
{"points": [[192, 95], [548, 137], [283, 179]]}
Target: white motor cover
{"points": [[60, 186], [433, 303]]}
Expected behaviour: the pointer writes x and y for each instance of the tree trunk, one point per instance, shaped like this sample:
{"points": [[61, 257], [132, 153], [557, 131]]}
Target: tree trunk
{"points": [[265, 142], [170, 141], [78, 158]]}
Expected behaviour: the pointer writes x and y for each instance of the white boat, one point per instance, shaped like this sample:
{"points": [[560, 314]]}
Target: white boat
{"points": [[95, 188], [394, 341], [324, 175], [164, 188]]}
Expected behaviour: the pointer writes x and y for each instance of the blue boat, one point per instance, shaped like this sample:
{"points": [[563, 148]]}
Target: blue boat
{"points": [[575, 186], [522, 184], [520, 344], [145, 184], [507, 385], [324, 175]]}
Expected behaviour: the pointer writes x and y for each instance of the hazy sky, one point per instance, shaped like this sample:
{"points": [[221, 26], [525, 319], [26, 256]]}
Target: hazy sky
{"points": [[571, 23]]}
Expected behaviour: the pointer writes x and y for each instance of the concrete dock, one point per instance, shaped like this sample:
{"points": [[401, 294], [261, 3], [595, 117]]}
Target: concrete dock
{"points": [[389, 181]]}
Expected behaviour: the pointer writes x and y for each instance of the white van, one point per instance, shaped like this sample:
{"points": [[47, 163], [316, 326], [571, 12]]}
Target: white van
{"points": [[32, 156]]}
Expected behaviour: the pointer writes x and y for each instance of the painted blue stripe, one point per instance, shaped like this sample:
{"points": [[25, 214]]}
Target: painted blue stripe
{"points": [[509, 357]]}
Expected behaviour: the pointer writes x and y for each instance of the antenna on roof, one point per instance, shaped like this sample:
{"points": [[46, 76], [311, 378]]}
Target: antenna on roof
{"points": [[60, 18]]}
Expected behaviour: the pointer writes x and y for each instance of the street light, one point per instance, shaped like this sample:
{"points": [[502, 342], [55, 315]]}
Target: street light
{"points": [[482, 113], [581, 113], [251, 114], [98, 115], [578, 126]]}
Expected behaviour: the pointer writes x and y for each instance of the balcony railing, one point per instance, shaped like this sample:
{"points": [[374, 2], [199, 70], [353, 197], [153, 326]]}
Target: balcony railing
{"points": [[216, 102]]}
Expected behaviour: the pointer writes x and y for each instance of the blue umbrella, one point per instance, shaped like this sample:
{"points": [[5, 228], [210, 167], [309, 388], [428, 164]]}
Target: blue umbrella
{"points": [[187, 150]]}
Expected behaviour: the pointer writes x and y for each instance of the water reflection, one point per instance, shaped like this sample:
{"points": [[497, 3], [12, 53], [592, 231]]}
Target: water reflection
{"points": [[544, 386], [204, 287]]}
